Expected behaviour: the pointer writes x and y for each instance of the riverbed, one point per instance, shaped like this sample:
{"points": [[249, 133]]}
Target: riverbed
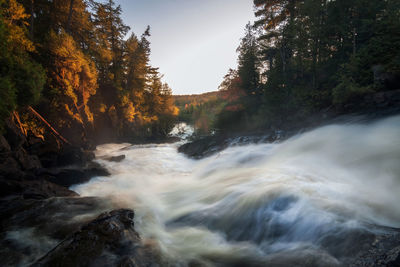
{"points": [[314, 199]]}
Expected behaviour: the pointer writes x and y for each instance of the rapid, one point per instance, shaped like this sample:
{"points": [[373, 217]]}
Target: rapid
{"points": [[309, 200]]}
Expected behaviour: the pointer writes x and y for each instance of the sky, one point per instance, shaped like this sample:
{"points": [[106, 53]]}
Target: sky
{"points": [[193, 42]]}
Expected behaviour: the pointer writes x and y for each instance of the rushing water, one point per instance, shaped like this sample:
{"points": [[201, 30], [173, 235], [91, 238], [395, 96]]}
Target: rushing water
{"points": [[312, 199]]}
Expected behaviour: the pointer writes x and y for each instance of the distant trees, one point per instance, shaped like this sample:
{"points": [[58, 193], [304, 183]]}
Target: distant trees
{"points": [[70, 57], [200, 110]]}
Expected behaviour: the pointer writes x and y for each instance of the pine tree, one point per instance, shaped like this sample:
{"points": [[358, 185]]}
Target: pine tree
{"points": [[21, 78]]}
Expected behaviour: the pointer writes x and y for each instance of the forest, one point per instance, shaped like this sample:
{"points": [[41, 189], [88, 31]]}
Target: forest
{"points": [[302, 57], [69, 66]]}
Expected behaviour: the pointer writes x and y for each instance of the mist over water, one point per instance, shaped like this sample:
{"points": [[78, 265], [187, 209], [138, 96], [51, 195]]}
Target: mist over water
{"points": [[312, 199]]}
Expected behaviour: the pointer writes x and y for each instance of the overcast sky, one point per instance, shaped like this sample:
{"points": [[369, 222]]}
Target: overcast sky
{"points": [[193, 42]]}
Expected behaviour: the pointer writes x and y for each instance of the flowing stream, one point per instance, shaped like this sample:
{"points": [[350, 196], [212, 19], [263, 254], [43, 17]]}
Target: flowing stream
{"points": [[312, 199]]}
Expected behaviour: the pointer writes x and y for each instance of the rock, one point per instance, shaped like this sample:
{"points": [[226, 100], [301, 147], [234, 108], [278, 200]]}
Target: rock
{"points": [[4, 146], [88, 156], [13, 135], [67, 177], [42, 189], [28, 162], [204, 146], [109, 240], [392, 258], [32, 227], [384, 251], [70, 155], [49, 159], [209, 145], [95, 169], [67, 156], [9, 168], [33, 188], [115, 158], [8, 187]]}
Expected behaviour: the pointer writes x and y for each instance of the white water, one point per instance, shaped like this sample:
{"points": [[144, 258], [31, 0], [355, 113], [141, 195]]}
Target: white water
{"points": [[307, 200]]}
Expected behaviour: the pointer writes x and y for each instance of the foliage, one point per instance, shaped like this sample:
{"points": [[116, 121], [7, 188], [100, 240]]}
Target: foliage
{"points": [[97, 81], [200, 110], [73, 76], [310, 55], [21, 78]]}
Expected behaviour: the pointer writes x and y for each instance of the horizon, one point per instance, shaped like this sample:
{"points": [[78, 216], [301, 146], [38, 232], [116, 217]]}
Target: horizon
{"points": [[183, 46]]}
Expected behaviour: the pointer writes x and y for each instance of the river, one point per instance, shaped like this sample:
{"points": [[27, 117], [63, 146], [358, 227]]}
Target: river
{"points": [[310, 199]]}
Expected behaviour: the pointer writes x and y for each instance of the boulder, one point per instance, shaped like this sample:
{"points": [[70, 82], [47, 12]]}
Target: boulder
{"points": [[10, 168], [32, 187], [384, 251], [13, 135], [204, 146], [4, 146], [109, 240], [27, 162], [70, 176], [9, 187], [115, 158], [42, 189], [70, 155], [31, 227]]}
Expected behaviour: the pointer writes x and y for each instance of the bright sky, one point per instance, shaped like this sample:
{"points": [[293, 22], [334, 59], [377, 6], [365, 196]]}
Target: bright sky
{"points": [[193, 42]]}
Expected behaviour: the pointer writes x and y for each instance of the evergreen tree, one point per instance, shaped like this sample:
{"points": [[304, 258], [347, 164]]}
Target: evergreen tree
{"points": [[21, 78]]}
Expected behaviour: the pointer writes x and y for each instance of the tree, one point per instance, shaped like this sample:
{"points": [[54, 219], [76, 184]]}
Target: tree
{"points": [[109, 31], [21, 78], [73, 77], [248, 62]]}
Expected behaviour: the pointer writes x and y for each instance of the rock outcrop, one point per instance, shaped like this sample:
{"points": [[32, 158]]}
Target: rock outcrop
{"points": [[109, 240]]}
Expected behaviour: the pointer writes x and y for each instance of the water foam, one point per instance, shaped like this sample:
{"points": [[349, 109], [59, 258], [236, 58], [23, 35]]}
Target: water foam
{"points": [[311, 196]]}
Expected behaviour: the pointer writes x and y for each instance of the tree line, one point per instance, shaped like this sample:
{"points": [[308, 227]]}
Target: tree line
{"points": [[304, 56], [70, 62]]}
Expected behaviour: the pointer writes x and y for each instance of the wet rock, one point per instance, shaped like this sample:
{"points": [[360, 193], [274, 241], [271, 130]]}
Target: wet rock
{"points": [[95, 169], [32, 188], [384, 251], [32, 227], [116, 158], [109, 240], [204, 146], [55, 217], [42, 189], [70, 176], [209, 145]]}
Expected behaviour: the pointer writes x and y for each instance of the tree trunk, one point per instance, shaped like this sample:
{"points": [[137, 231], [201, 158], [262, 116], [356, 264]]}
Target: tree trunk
{"points": [[32, 19], [34, 112], [71, 10], [21, 127]]}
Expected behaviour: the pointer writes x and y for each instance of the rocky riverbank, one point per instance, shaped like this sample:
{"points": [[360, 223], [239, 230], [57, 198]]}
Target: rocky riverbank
{"points": [[44, 223], [360, 110]]}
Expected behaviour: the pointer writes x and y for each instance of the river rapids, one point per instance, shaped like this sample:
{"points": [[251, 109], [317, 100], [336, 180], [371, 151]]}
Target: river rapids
{"points": [[310, 200]]}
